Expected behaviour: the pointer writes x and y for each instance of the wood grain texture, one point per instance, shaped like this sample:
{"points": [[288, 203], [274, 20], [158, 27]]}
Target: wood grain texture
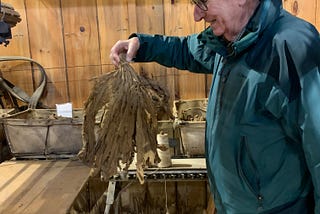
{"points": [[303, 9], [18, 73], [32, 187], [317, 23], [19, 44], [179, 22], [116, 21], [81, 46], [152, 22], [68, 37], [81, 32], [47, 45], [45, 29], [56, 88], [81, 83]]}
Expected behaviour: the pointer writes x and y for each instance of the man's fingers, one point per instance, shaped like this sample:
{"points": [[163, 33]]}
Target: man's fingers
{"points": [[133, 47], [119, 48], [130, 53], [114, 59], [127, 47]]}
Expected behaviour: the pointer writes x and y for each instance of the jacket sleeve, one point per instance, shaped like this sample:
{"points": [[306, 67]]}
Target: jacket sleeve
{"points": [[310, 125], [184, 53], [299, 78], [306, 57]]}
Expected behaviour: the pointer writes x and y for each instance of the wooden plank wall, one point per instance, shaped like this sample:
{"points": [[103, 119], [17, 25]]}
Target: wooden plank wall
{"points": [[71, 40]]}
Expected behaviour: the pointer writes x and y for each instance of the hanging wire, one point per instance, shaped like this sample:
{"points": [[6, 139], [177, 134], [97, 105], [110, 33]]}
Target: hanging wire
{"points": [[166, 193]]}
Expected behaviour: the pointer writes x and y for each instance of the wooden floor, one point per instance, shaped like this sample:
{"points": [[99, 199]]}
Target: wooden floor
{"points": [[42, 186]]}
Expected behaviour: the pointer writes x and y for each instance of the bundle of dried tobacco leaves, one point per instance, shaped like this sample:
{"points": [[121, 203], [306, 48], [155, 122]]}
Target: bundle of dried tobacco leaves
{"points": [[130, 104]]}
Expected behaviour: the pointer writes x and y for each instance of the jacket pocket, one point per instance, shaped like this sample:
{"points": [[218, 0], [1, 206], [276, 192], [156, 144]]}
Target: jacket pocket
{"points": [[248, 169]]}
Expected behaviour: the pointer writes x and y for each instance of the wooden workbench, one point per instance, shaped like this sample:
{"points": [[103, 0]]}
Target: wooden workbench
{"points": [[180, 164], [41, 186]]}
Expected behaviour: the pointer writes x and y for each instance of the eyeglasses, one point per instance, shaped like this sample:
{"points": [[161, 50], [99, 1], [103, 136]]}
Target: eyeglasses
{"points": [[202, 4]]}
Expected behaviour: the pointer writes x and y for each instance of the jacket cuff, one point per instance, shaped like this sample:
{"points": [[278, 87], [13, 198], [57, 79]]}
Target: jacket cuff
{"points": [[143, 40]]}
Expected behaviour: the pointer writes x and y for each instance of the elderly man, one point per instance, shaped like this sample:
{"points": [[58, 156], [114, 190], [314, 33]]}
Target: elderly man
{"points": [[263, 115]]}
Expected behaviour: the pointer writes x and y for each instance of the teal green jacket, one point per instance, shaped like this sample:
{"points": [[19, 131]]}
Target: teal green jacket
{"points": [[263, 115]]}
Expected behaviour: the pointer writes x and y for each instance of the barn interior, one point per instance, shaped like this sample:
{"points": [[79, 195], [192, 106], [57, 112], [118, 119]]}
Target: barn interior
{"points": [[50, 56]]}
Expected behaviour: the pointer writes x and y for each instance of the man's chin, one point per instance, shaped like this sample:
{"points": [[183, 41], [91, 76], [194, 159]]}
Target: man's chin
{"points": [[216, 31]]}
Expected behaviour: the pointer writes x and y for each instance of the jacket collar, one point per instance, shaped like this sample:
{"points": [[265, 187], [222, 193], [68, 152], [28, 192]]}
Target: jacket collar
{"points": [[264, 16]]}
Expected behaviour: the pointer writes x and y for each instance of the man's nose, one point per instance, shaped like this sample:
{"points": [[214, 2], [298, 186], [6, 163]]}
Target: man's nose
{"points": [[198, 14]]}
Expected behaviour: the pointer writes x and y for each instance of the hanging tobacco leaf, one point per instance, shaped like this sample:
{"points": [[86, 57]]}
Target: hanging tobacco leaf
{"points": [[130, 105]]}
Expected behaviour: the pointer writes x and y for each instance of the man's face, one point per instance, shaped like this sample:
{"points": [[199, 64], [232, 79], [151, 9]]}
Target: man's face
{"points": [[223, 16]]}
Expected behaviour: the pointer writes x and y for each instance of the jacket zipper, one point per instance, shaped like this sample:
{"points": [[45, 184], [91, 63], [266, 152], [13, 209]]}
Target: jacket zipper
{"points": [[222, 80], [224, 74], [255, 192]]}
